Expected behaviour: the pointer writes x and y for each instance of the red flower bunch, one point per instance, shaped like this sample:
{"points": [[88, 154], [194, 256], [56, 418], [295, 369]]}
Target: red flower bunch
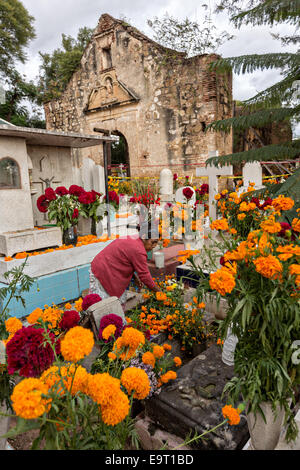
{"points": [[28, 353], [75, 213], [188, 193], [111, 319], [61, 191], [175, 177], [89, 300], [69, 319], [42, 203], [204, 189], [146, 199], [87, 197], [113, 197]]}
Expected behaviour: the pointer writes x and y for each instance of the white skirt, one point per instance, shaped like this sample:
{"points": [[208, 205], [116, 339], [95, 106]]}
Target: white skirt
{"points": [[97, 288]]}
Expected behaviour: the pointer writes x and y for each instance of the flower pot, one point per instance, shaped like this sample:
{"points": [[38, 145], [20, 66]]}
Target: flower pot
{"points": [[70, 236], [159, 258], [265, 435]]}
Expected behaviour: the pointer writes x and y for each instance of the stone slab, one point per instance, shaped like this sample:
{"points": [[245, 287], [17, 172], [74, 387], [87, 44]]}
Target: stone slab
{"points": [[29, 240], [60, 260], [105, 307], [193, 402]]}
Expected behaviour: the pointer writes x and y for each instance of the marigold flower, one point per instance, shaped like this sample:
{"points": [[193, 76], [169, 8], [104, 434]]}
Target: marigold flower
{"points": [[132, 338], [77, 343], [222, 281], [167, 347], [177, 361], [170, 375], [232, 414], [296, 225], [294, 269], [241, 216], [158, 351], [283, 203], [27, 398], [148, 358], [116, 412], [221, 224], [112, 356], [108, 332], [13, 324], [35, 316], [268, 266], [103, 388], [161, 296], [270, 226], [136, 379], [78, 305]]}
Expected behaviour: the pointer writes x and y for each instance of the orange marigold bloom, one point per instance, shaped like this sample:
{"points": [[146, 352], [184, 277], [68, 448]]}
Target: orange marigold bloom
{"points": [[132, 338], [167, 347], [283, 203], [161, 296], [221, 224], [177, 361], [34, 316], [268, 266], [148, 358], [77, 343], [136, 379], [289, 250], [170, 375], [116, 412], [294, 269], [158, 351], [296, 225], [13, 324], [232, 414], [109, 331], [28, 399], [270, 226], [222, 281]]}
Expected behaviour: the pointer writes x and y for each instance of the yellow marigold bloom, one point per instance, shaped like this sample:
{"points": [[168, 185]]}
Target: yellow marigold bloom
{"points": [[296, 225], [148, 358], [232, 414], [268, 266], [158, 351], [78, 305], [221, 224], [283, 203], [217, 197], [222, 281], [103, 388], [136, 379], [241, 216], [116, 412], [35, 316], [109, 331], [77, 343], [177, 361], [27, 399], [13, 324]]}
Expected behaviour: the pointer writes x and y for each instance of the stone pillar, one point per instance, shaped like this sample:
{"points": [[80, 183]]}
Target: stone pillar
{"points": [[166, 185]]}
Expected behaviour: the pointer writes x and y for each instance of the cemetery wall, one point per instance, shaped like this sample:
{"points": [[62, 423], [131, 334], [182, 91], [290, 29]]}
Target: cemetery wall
{"points": [[159, 102]]}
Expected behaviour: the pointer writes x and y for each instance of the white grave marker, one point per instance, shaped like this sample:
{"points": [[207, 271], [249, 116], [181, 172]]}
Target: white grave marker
{"points": [[213, 172], [166, 185], [252, 173]]}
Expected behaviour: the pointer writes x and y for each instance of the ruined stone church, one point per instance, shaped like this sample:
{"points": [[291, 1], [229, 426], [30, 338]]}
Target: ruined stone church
{"points": [[158, 101]]}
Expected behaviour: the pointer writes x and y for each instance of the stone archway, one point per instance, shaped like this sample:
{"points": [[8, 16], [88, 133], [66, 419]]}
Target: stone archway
{"points": [[120, 154]]}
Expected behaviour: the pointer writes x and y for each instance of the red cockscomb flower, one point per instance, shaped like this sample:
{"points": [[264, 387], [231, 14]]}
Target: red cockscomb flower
{"points": [[188, 193], [69, 319], [111, 319], [61, 191], [89, 300], [75, 190], [50, 194], [175, 177], [28, 353], [87, 197], [42, 203], [75, 213]]}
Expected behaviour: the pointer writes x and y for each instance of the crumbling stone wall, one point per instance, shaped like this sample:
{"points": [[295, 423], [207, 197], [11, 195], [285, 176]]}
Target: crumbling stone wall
{"points": [[159, 100]]}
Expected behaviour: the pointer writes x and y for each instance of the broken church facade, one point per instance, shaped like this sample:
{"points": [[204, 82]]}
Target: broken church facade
{"points": [[158, 101]]}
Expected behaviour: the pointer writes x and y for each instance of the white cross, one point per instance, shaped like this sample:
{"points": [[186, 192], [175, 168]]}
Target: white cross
{"points": [[213, 172]]}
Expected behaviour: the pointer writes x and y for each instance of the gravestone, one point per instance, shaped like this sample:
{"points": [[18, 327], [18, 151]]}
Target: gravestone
{"points": [[87, 170], [252, 173], [193, 403], [105, 307], [166, 185]]}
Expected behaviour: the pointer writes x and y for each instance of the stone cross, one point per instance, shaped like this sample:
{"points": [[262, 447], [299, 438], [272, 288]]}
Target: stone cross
{"points": [[213, 172]]}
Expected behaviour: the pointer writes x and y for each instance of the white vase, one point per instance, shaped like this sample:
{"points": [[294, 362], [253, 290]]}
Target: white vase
{"points": [[229, 348], [265, 435], [159, 258]]}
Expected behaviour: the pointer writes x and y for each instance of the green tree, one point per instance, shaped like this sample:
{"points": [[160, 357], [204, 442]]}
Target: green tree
{"points": [[58, 67], [276, 103], [16, 31]]}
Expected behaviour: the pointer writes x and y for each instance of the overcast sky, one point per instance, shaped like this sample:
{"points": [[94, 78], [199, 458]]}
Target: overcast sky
{"points": [[54, 17]]}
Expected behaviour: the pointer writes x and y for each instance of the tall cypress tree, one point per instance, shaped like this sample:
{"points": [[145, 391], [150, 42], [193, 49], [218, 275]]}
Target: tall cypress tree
{"points": [[276, 103]]}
